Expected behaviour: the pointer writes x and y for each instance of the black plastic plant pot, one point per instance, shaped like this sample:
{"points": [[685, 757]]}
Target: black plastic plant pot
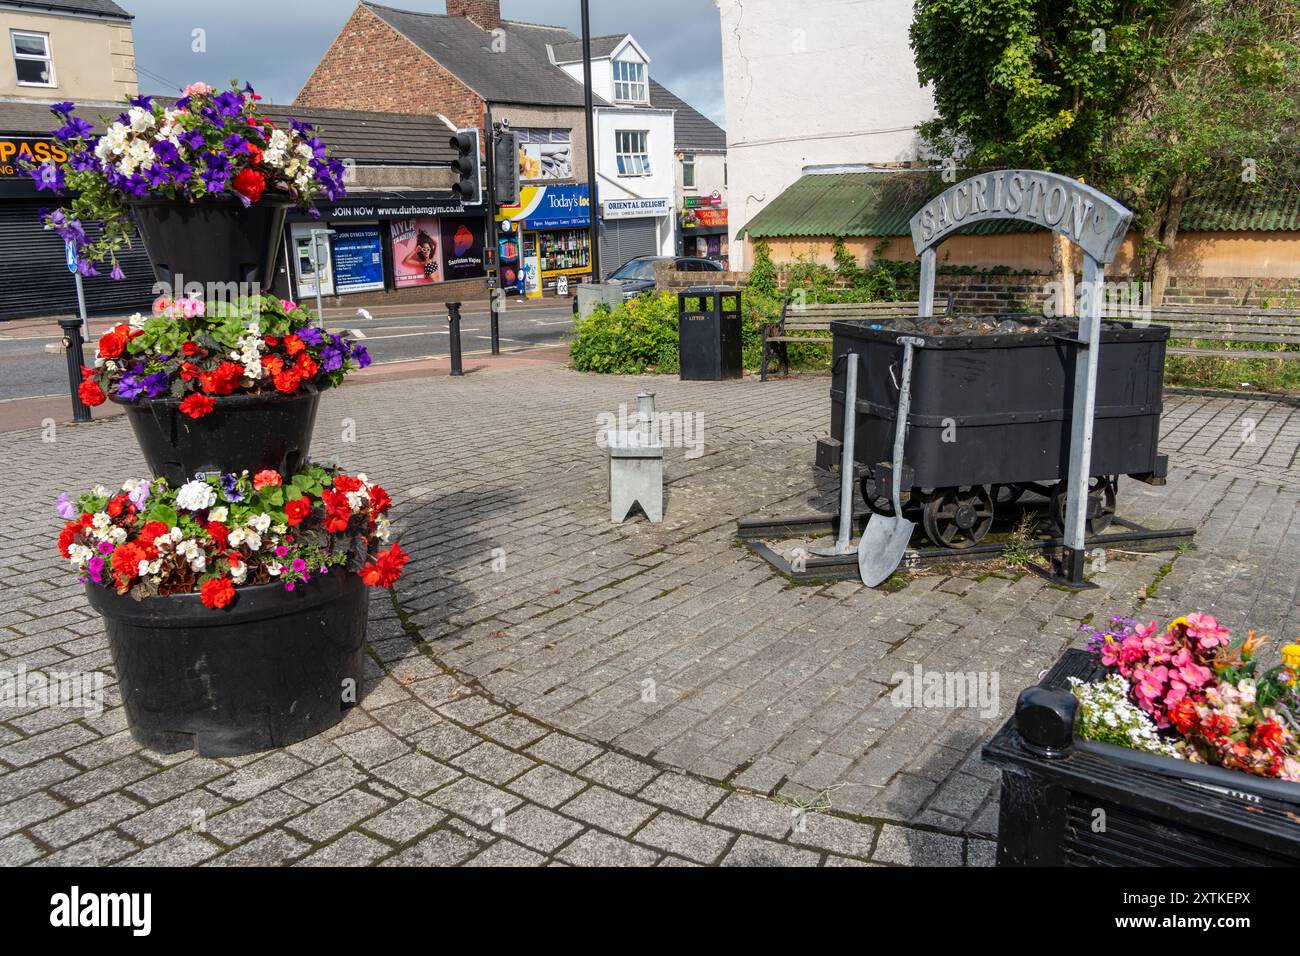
{"points": [[1074, 802], [212, 242], [243, 432], [274, 668]]}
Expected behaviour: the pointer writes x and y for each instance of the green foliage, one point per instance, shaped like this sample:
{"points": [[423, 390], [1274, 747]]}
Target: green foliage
{"points": [[636, 337], [846, 281], [763, 275]]}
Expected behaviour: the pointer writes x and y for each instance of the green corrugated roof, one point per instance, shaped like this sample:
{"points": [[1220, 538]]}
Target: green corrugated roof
{"points": [[881, 204], [1245, 207]]}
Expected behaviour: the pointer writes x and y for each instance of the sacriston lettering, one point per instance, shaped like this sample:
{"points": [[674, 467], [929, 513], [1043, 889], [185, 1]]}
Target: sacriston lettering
{"points": [[1090, 218]]}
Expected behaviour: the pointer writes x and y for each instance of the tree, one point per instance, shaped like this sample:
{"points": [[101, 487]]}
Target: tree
{"points": [[1154, 101]]}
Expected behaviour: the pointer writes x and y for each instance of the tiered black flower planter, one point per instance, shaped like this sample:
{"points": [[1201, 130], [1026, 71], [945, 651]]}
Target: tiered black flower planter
{"points": [[276, 666], [1068, 802]]}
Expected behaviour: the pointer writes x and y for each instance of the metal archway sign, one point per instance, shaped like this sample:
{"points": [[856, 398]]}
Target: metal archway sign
{"points": [[1093, 221]]}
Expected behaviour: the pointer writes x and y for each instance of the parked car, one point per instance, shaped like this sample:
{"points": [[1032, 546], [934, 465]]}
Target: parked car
{"points": [[638, 275]]}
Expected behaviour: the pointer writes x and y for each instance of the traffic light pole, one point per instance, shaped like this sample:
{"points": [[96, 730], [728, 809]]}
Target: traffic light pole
{"points": [[496, 299], [593, 198]]}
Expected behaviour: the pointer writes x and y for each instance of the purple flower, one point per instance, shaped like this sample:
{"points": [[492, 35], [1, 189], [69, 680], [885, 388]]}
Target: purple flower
{"points": [[105, 547], [298, 566], [194, 139], [96, 567], [311, 335], [229, 103], [361, 355], [230, 488], [67, 511], [289, 586], [117, 274], [86, 269], [130, 388], [166, 151], [144, 102], [282, 551], [62, 109], [140, 496], [86, 159], [75, 128], [48, 176]]}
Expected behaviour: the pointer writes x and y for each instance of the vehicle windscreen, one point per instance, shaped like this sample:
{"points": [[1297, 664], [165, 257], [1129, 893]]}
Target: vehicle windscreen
{"points": [[637, 269]]}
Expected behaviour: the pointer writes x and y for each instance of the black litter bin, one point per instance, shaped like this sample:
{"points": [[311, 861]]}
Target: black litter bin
{"points": [[709, 333]]}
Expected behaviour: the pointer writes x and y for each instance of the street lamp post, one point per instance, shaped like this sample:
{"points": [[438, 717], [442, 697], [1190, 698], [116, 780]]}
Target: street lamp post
{"points": [[319, 240], [593, 202]]}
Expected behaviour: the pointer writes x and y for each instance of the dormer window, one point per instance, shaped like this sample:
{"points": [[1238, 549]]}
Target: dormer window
{"points": [[629, 82]]}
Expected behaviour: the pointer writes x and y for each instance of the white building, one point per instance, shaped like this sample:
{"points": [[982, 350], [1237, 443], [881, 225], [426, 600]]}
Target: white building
{"points": [[820, 82], [634, 150]]}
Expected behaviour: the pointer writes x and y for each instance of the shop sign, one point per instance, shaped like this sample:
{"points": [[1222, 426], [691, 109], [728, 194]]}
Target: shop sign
{"points": [[704, 218], [14, 149], [462, 248], [416, 258], [358, 257], [394, 208], [636, 208], [550, 207]]}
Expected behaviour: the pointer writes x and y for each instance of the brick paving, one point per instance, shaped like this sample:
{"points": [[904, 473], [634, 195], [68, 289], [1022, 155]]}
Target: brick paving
{"points": [[546, 688]]}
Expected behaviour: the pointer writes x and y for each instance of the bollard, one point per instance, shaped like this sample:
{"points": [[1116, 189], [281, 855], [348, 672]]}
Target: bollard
{"points": [[453, 316], [496, 328], [72, 348]]}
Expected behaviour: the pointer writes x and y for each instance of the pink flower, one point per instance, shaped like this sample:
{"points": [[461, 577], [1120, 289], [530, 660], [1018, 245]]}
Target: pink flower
{"points": [[1206, 631], [288, 305], [198, 89]]}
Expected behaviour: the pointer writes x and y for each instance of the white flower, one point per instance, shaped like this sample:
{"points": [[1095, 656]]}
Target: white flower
{"points": [[176, 535], [281, 529], [117, 535], [196, 496], [254, 540], [275, 569], [141, 119], [219, 514], [262, 523], [382, 530], [239, 574], [80, 554], [101, 521], [238, 537]]}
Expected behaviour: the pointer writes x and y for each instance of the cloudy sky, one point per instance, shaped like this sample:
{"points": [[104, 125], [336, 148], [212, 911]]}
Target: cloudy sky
{"points": [[275, 43]]}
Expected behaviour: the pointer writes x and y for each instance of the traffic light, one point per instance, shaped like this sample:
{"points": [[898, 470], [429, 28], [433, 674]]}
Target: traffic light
{"points": [[466, 184], [505, 169]]}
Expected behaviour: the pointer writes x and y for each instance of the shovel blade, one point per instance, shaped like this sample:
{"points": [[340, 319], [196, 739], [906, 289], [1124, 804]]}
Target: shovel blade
{"points": [[884, 542]]}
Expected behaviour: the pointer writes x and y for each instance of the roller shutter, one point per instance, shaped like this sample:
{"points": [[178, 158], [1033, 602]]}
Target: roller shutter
{"points": [[34, 280], [623, 240]]}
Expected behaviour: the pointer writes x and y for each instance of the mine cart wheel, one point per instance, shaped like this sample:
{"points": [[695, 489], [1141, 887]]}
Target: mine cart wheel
{"points": [[1101, 503], [1004, 495], [958, 518], [878, 503]]}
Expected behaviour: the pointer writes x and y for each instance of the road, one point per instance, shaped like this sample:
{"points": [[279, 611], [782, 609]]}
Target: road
{"points": [[32, 365]]}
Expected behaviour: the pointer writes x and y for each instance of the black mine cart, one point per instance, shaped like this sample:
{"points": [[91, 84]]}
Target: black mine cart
{"points": [[991, 419], [709, 329]]}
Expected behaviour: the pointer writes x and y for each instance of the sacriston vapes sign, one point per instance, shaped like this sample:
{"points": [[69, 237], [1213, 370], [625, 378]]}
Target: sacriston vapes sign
{"points": [[1090, 218]]}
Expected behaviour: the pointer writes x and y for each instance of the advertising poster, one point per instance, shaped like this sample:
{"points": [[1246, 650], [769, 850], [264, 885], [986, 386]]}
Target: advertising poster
{"points": [[508, 255], [358, 257], [462, 248], [417, 256], [545, 154]]}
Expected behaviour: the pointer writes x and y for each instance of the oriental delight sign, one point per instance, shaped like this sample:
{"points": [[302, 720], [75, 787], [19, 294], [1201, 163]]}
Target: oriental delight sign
{"points": [[1084, 215]]}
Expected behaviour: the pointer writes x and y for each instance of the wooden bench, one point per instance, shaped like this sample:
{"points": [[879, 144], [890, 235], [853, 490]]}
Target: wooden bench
{"points": [[818, 318], [1202, 327]]}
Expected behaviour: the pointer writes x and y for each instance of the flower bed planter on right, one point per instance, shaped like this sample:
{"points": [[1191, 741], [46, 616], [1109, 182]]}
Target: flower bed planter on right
{"points": [[1072, 802]]}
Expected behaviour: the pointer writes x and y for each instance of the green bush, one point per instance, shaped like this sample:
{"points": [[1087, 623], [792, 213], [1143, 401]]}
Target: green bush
{"points": [[636, 337]]}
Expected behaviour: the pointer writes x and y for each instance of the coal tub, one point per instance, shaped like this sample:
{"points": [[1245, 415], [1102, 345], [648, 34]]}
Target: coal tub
{"points": [[990, 418]]}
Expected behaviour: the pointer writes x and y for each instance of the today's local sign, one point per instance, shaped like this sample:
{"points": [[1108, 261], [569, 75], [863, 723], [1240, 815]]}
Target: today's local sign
{"points": [[636, 208]]}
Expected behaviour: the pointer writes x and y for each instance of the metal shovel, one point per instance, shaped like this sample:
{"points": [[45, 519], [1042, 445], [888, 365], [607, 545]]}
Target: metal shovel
{"points": [[847, 458], [885, 539]]}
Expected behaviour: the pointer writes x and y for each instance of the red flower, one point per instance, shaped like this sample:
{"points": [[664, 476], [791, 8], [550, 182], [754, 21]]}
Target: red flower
{"points": [[296, 511], [222, 381], [113, 344], [307, 366], [91, 394], [293, 345], [379, 500], [117, 506], [152, 532], [190, 348], [219, 533], [346, 484], [288, 381], [386, 569], [337, 510], [67, 536], [271, 341], [197, 406], [254, 154], [190, 371], [250, 184], [217, 593], [126, 561], [267, 479]]}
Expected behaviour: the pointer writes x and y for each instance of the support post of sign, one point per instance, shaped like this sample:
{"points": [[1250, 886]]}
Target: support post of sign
{"points": [[318, 236], [1074, 553], [925, 291]]}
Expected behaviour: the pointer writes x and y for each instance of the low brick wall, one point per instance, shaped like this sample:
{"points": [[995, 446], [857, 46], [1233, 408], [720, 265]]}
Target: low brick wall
{"points": [[1259, 293]]}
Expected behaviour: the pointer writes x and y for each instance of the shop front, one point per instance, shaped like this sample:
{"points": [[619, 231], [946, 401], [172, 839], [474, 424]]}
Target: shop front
{"points": [[544, 243], [34, 277], [631, 228], [386, 245], [703, 230]]}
